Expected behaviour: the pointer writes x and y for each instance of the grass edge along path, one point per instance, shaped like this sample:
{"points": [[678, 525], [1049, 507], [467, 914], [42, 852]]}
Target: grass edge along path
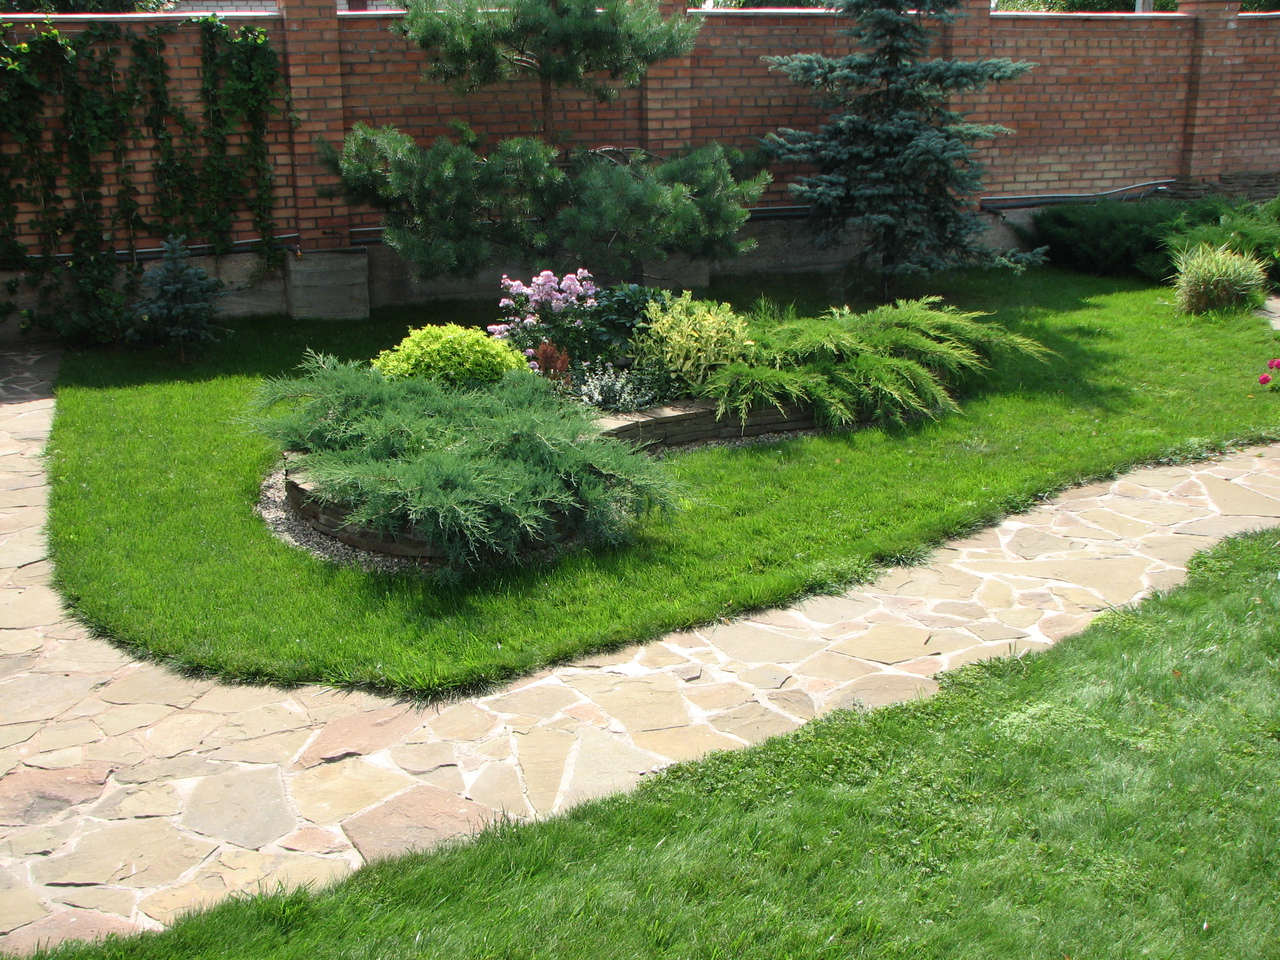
{"points": [[156, 544], [1110, 798]]}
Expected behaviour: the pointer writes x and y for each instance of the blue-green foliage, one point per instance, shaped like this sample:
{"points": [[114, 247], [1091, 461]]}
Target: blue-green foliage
{"points": [[486, 473], [181, 301], [895, 165]]}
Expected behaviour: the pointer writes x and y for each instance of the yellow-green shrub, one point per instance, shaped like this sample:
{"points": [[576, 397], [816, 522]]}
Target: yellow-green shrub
{"points": [[450, 353], [690, 338]]}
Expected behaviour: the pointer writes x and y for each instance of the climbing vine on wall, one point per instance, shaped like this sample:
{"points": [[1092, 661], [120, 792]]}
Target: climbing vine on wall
{"points": [[81, 123]]}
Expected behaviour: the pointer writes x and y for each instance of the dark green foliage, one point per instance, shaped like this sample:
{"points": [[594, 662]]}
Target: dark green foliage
{"points": [[895, 163], [486, 473], [80, 6], [1111, 237], [448, 209], [452, 209], [623, 308], [630, 207], [1252, 230], [181, 301], [73, 114], [579, 44], [888, 364]]}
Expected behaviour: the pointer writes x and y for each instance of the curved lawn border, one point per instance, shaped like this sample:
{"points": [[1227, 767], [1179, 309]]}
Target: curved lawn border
{"points": [[156, 543]]}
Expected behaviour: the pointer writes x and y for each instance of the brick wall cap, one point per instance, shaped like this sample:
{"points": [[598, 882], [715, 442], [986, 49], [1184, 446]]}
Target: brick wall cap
{"points": [[1044, 15], [743, 14], [56, 18]]}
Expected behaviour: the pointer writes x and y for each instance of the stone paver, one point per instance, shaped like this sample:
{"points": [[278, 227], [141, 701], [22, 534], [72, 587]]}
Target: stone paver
{"points": [[129, 795]]}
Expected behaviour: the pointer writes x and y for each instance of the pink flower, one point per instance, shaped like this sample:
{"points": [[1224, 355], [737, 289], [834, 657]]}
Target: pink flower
{"points": [[1264, 379], [1273, 364]]}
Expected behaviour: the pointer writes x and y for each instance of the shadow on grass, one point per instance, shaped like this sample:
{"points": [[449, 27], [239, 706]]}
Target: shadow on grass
{"points": [[265, 345]]}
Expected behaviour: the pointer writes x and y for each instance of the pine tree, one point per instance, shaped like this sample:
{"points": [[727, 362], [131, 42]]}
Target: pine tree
{"points": [[458, 206], [577, 44], [895, 163]]}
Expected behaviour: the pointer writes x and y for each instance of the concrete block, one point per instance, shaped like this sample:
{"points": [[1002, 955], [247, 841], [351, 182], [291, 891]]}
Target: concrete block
{"points": [[250, 285], [328, 284]]}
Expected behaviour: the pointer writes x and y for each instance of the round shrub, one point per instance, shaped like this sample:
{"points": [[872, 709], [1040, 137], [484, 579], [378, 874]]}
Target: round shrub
{"points": [[485, 472], [451, 353], [1214, 278]]}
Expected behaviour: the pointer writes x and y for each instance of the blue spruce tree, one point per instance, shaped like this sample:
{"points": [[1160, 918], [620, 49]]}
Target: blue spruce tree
{"points": [[895, 164]]}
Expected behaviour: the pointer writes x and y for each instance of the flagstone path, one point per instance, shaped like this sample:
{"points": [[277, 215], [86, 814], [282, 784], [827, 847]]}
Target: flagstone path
{"points": [[129, 794]]}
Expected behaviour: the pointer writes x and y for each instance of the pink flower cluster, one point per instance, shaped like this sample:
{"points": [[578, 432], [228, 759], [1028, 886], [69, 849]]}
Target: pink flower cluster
{"points": [[546, 293], [1266, 378]]}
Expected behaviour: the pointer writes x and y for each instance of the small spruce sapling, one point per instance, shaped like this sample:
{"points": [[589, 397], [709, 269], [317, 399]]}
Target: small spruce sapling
{"points": [[895, 165], [181, 301]]}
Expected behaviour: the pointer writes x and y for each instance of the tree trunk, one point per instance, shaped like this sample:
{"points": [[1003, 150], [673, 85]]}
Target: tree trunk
{"points": [[888, 270], [548, 134]]}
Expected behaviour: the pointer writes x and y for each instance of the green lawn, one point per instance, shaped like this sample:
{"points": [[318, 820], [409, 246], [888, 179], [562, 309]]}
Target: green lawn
{"points": [[1112, 798], [157, 546]]}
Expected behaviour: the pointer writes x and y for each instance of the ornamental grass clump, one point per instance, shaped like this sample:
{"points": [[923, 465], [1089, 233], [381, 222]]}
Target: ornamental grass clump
{"points": [[454, 354], [1251, 229], [486, 472], [1215, 278]]}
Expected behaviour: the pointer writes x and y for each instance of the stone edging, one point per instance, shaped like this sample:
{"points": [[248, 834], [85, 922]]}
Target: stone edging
{"points": [[694, 421], [671, 425], [331, 519]]}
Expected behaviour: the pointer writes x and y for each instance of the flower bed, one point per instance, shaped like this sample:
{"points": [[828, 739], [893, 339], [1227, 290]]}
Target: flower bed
{"points": [[386, 469]]}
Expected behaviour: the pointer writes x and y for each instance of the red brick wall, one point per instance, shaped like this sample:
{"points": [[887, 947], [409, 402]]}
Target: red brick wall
{"points": [[183, 54], [1115, 99]]}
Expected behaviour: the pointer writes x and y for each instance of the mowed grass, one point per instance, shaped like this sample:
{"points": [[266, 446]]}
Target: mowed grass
{"points": [[156, 543], [1112, 798]]}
